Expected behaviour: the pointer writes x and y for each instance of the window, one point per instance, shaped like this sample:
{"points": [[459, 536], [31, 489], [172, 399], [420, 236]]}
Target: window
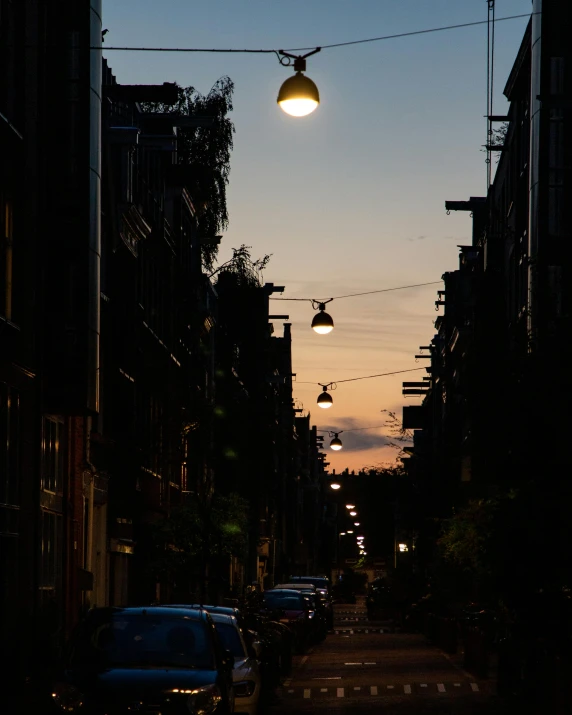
{"points": [[52, 455], [9, 433], [6, 236], [50, 551]]}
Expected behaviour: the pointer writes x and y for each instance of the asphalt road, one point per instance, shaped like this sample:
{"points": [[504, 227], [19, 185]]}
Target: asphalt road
{"points": [[364, 667]]}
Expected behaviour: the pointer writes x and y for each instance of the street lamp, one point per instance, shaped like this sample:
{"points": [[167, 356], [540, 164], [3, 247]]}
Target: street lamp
{"points": [[350, 506], [353, 513], [322, 322], [356, 523], [325, 400], [336, 445], [298, 95], [335, 486]]}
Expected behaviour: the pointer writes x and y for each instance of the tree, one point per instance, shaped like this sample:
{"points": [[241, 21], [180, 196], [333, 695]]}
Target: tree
{"points": [[206, 150], [243, 268], [196, 532]]}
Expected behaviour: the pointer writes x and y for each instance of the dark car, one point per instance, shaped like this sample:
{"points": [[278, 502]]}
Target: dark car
{"points": [[294, 609], [147, 660]]}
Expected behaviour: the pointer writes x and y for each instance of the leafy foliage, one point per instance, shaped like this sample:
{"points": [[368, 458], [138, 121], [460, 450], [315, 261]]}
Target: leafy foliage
{"points": [[468, 535], [199, 530], [207, 151], [245, 270]]}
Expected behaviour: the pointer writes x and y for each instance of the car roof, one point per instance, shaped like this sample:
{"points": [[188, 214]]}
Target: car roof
{"points": [[196, 614], [229, 610], [224, 618], [296, 586]]}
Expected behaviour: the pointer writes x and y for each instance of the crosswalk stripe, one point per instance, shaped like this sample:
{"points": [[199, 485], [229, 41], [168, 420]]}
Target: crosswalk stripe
{"points": [[440, 687], [323, 690], [474, 687], [407, 689], [306, 692], [340, 692], [373, 689]]}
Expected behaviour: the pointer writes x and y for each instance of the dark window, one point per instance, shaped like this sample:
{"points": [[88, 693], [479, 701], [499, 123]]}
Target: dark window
{"points": [[9, 450], [51, 551], [230, 638], [133, 639], [52, 455]]}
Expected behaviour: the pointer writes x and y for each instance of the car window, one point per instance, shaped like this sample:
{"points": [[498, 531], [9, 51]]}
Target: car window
{"points": [[286, 601], [230, 638], [130, 640]]}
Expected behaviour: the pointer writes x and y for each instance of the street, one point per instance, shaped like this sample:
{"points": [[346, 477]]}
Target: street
{"points": [[363, 667]]}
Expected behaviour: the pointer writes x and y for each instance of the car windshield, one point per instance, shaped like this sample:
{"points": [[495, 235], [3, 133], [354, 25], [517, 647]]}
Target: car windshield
{"points": [[314, 580], [230, 638], [143, 640], [293, 601]]}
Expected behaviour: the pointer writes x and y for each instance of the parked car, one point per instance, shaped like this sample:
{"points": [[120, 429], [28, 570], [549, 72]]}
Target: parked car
{"points": [[324, 617], [294, 609], [270, 643], [246, 674], [151, 659], [320, 582]]}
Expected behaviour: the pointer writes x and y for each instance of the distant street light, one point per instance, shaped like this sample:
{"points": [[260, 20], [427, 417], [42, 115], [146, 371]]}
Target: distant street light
{"points": [[350, 506], [353, 513], [298, 95], [335, 485]]}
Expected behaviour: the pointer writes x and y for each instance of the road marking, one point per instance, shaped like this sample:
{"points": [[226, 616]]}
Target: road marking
{"points": [[304, 659], [357, 687], [290, 691], [423, 685], [337, 677], [306, 693], [366, 630], [340, 692], [353, 663], [457, 685], [440, 687], [474, 687], [323, 690], [287, 682], [373, 689], [370, 663], [351, 631], [407, 689], [390, 687]]}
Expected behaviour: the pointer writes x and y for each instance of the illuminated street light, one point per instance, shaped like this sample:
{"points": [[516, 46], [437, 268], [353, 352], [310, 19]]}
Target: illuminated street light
{"points": [[336, 445], [322, 322], [335, 485], [342, 533], [403, 547], [353, 513], [350, 531], [324, 398], [298, 95], [350, 506], [356, 523]]}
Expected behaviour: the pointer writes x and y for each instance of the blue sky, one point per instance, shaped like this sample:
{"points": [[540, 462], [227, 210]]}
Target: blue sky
{"points": [[350, 198]]}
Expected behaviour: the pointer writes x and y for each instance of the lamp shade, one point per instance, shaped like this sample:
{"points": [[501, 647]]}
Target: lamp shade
{"points": [[298, 95], [323, 323]]}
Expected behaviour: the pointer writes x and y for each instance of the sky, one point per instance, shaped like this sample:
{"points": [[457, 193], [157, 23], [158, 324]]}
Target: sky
{"points": [[351, 198]]}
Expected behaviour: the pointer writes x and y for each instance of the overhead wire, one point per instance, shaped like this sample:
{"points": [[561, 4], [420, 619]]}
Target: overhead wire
{"points": [[353, 295], [352, 379], [303, 49]]}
